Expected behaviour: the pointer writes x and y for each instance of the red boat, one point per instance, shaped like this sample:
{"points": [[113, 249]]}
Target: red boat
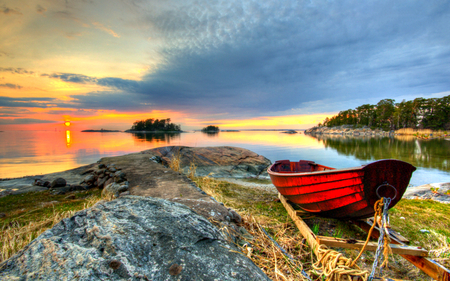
{"points": [[341, 193]]}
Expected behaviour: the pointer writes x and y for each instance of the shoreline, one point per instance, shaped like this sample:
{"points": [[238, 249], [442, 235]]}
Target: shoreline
{"points": [[439, 192]]}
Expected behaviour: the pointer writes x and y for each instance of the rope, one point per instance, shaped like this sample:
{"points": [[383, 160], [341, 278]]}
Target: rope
{"points": [[378, 207], [335, 266]]}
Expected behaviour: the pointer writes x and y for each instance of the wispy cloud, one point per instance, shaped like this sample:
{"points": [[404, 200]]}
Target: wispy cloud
{"points": [[15, 70], [27, 102], [11, 86], [106, 29], [10, 11], [21, 121]]}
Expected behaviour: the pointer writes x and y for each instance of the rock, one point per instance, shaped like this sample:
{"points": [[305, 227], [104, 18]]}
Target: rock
{"points": [[59, 182], [78, 187], [114, 189], [2, 215], [219, 162], [119, 176], [424, 231], [89, 179], [101, 166], [132, 238], [101, 182], [38, 182], [61, 190]]}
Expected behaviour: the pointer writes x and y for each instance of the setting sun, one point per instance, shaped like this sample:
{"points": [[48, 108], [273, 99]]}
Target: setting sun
{"points": [[67, 123]]}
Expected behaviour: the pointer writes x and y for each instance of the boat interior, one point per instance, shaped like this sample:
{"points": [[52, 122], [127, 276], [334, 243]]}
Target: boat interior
{"points": [[302, 166]]}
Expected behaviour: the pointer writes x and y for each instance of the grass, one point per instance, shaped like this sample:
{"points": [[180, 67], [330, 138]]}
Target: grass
{"points": [[30, 214], [261, 207]]}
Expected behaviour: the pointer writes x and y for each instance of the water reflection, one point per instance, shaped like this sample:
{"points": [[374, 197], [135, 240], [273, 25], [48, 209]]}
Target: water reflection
{"points": [[211, 134], [156, 137], [421, 153], [68, 139]]}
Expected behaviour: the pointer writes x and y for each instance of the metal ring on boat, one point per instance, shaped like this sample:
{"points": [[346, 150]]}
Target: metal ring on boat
{"points": [[387, 184]]}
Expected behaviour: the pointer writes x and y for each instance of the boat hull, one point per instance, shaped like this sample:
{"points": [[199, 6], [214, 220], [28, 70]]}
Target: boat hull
{"points": [[341, 193]]}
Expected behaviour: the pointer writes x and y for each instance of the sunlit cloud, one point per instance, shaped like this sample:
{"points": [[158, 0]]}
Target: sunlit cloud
{"points": [[104, 28]]}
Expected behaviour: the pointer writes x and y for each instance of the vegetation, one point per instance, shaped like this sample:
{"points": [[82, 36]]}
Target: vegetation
{"points": [[261, 209], [420, 113], [155, 125], [210, 129], [30, 214]]}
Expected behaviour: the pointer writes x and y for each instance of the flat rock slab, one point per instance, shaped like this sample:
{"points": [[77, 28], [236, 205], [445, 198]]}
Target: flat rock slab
{"points": [[131, 238], [218, 162], [147, 178], [435, 191]]}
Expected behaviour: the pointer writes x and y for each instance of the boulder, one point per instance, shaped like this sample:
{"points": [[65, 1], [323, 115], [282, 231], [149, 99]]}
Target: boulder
{"points": [[58, 182], [219, 162], [114, 189], [132, 238]]}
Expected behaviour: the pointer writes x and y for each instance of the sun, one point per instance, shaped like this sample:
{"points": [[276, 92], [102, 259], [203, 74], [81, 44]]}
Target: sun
{"points": [[67, 123]]}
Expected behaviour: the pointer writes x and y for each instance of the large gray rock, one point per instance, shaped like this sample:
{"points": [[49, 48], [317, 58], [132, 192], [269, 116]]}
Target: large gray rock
{"points": [[219, 162], [132, 238]]}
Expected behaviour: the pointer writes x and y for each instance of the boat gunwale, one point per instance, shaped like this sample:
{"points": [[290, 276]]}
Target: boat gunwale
{"points": [[313, 173]]}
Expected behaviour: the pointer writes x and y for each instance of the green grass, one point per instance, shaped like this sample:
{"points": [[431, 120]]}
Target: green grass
{"points": [[32, 206]]}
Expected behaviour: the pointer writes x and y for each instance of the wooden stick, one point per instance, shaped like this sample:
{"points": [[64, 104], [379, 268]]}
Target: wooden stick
{"points": [[429, 266], [371, 246]]}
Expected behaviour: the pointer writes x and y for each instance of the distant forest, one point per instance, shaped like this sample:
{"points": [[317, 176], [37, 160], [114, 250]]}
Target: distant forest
{"points": [[155, 125], [420, 113]]}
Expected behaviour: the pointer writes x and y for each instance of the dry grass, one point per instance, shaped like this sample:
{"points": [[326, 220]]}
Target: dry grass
{"points": [[420, 132], [269, 257], [266, 211], [15, 235], [175, 162]]}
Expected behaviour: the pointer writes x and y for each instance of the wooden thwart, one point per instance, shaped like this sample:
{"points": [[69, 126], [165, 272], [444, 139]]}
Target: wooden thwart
{"points": [[415, 255]]}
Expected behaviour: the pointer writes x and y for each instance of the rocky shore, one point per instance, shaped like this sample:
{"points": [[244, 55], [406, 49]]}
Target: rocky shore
{"points": [[347, 130], [160, 227]]}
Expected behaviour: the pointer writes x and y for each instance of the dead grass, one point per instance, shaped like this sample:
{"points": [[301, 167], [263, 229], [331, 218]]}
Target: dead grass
{"points": [[30, 215], [259, 207]]}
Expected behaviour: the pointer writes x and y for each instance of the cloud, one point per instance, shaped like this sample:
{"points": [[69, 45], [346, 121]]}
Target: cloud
{"points": [[11, 86], [41, 10], [15, 70], [9, 11], [71, 77], [104, 28], [21, 121], [247, 58], [27, 102]]}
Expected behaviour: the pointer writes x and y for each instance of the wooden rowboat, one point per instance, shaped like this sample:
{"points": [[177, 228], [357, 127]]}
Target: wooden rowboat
{"points": [[348, 193]]}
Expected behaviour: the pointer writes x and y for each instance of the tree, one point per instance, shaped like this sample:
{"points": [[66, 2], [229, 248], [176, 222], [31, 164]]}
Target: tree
{"points": [[211, 129]]}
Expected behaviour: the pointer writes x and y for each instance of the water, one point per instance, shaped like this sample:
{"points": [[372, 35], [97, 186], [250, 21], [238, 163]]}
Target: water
{"points": [[39, 152]]}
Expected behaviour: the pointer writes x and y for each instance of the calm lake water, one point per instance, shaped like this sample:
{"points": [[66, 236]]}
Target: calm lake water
{"points": [[39, 152]]}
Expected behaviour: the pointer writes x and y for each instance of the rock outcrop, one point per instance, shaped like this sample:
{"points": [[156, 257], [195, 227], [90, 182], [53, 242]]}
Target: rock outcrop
{"points": [[218, 162], [347, 130], [131, 238]]}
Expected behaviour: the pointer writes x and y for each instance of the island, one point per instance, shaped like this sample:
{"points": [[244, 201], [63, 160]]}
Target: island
{"points": [[153, 126]]}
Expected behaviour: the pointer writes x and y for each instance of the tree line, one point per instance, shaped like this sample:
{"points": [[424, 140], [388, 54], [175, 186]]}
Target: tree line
{"points": [[155, 125], [420, 113]]}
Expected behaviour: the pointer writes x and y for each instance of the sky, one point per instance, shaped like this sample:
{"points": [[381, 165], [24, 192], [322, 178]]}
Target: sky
{"points": [[235, 64]]}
